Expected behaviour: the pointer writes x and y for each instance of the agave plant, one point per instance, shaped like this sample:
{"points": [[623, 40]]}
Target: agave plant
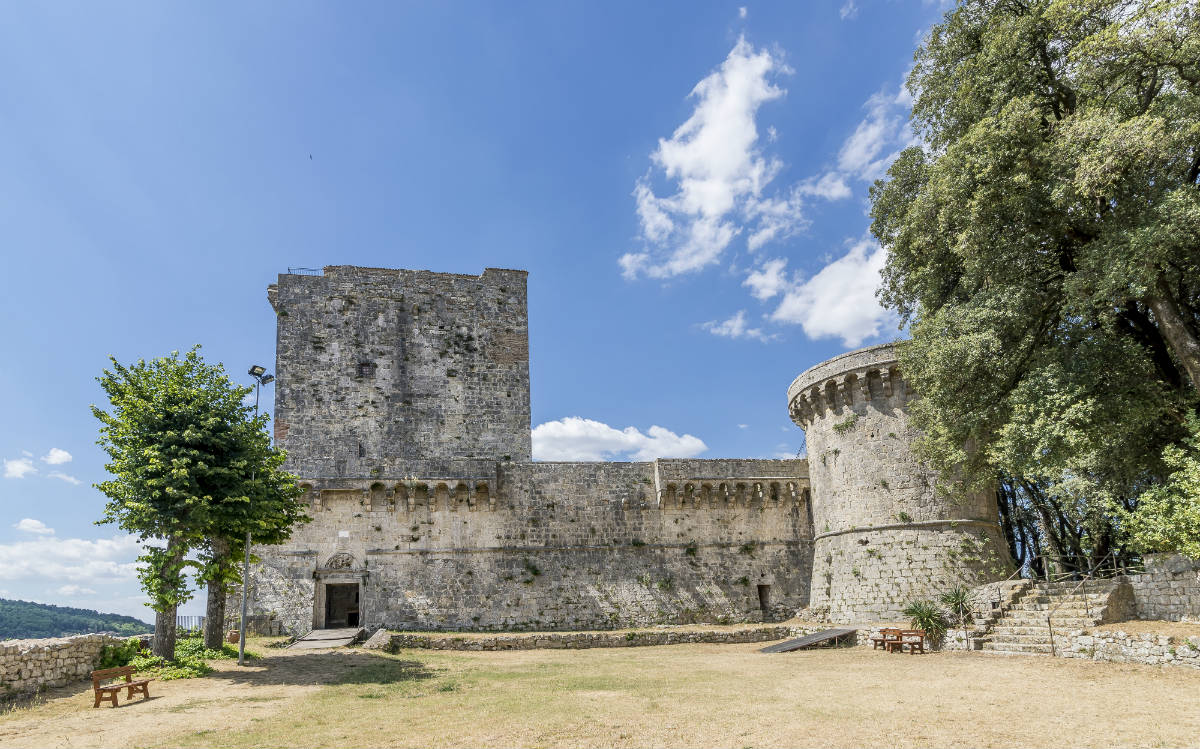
{"points": [[958, 602], [927, 615]]}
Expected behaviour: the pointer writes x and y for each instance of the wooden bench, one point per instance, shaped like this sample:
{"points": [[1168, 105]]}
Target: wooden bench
{"points": [[886, 637], [108, 692], [913, 639]]}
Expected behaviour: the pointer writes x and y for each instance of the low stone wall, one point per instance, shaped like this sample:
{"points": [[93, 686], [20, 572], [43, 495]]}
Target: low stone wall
{"points": [[955, 639], [1123, 647], [1169, 590], [29, 665], [580, 640]]}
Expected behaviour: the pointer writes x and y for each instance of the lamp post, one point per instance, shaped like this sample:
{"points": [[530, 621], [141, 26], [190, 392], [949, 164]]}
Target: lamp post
{"points": [[260, 378]]}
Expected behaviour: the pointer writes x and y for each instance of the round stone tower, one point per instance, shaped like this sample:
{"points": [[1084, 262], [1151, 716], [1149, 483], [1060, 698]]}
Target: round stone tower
{"points": [[884, 536]]}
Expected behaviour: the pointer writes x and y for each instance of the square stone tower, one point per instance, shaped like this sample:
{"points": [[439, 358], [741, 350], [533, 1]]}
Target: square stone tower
{"points": [[380, 371]]}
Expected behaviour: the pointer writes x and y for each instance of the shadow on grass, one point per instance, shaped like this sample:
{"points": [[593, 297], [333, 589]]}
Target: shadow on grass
{"points": [[328, 667]]}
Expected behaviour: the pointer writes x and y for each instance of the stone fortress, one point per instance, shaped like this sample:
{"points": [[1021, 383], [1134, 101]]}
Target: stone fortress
{"points": [[403, 403]]}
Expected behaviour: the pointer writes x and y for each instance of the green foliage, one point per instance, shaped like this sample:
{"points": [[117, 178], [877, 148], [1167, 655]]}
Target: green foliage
{"points": [[927, 615], [1042, 249], [690, 549], [156, 667], [957, 601], [113, 656], [190, 465], [1167, 518], [190, 659], [25, 619], [747, 548], [846, 425], [193, 647]]}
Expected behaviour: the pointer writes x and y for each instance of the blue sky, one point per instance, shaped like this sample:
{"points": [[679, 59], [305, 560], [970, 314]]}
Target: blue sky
{"points": [[686, 184]]}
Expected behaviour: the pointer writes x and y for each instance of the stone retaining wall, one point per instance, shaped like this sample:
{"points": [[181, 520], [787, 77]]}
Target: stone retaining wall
{"points": [[1123, 647], [581, 640], [1169, 590], [27, 666]]}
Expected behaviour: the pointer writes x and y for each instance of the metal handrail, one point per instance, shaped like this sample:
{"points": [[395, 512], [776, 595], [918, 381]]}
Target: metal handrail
{"points": [[1014, 574], [1087, 606]]}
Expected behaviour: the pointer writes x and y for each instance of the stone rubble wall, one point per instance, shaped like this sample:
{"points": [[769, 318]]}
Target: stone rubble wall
{"points": [[564, 546], [1169, 590], [27, 666], [1122, 647], [582, 640]]}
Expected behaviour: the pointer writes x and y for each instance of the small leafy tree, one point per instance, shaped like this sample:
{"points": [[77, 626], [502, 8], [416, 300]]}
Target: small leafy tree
{"points": [[184, 453]]}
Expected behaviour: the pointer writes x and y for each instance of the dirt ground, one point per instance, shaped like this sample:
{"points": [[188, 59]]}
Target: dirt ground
{"points": [[680, 695]]}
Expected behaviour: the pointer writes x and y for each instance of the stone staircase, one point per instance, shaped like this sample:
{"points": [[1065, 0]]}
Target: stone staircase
{"points": [[1021, 629]]}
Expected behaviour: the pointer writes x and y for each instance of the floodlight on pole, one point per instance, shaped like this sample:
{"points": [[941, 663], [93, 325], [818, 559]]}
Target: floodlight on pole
{"points": [[260, 378]]}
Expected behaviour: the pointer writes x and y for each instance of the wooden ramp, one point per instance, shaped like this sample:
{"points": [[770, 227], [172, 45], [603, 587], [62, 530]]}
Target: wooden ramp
{"points": [[327, 638], [830, 636]]}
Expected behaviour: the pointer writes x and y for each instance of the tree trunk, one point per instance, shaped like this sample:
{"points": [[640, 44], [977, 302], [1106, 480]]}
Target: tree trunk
{"points": [[164, 633], [214, 615], [214, 612], [165, 620], [1175, 330]]}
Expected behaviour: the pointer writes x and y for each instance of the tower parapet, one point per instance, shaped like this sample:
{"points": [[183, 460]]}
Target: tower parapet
{"points": [[884, 535]]}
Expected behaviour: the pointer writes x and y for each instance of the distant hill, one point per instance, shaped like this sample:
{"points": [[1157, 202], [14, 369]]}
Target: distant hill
{"points": [[25, 620]]}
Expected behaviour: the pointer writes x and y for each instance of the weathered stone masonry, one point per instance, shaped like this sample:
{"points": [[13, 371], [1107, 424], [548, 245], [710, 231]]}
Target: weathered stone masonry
{"points": [[403, 404], [884, 535]]}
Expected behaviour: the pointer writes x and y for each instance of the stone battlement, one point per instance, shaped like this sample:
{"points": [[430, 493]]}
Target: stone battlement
{"points": [[403, 404], [856, 376]]}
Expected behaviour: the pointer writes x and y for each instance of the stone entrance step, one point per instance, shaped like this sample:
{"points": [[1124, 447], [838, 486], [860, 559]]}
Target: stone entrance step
{"points": [[327, 638]]}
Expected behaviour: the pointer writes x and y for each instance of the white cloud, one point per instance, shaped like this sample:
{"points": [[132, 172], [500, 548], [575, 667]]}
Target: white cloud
{"points": [[30, 525], [75, 590], [56, 457], [71, 560], [831, 186], [848, 10], [720, 175], [768, 280], [743, 426], [19, 468], [867, 152], [575, 438], [736, 327], [877, 140], [839, 301], [742, 12], [64, 477]]}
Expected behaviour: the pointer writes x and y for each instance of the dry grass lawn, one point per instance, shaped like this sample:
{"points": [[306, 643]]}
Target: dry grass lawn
{"points": [[679, 695]]}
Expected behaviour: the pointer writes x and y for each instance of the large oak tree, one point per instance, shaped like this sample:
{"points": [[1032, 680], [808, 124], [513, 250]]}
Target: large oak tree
{"points": [[1044, 247]]}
